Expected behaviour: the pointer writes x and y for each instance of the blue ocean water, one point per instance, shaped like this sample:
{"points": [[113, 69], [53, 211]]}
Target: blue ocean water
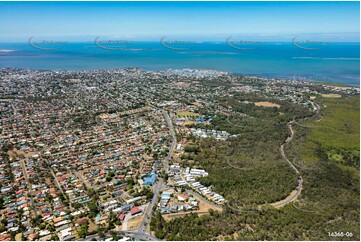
{"points": [[336, 62]]}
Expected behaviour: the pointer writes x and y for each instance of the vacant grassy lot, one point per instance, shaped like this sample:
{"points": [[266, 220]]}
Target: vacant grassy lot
{"points": [[331, 95], [187, 114], [267, 104], [134, 223]]}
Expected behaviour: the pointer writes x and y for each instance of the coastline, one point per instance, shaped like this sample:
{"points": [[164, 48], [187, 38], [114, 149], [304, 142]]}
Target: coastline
{"points": [[266, 77]]}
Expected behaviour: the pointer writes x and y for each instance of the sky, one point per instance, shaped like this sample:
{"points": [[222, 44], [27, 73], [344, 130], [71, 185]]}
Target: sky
{"points": [[151, 20]]}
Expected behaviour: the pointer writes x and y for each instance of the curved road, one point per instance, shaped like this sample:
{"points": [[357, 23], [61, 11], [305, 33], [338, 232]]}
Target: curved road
{"points": [[294, 194]]}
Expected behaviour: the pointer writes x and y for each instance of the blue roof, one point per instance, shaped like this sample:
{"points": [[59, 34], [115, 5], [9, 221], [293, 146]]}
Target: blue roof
{"points": [[149, 180]]}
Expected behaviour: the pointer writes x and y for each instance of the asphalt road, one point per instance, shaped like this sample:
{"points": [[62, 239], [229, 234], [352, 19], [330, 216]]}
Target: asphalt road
{"points": [[90, 237], [148, 212], [282, 148], [158, 186], [300, 180], [22, 163], [140, 236], [137, 236], [282, 151]]}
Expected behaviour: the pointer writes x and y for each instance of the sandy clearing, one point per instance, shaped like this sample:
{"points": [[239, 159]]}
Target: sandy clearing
{"points": [[183, 84], [203, 210], [198, 104], [92, 226], [134, 223], [188, 123], [331, 95], [267, 104], [187, 114]]}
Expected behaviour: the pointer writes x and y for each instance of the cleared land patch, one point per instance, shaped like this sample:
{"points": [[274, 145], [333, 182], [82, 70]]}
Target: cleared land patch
{"points": [[267, 104], [134, 223], [203, 210], [331, 95], [187, 123], [187, 114]]}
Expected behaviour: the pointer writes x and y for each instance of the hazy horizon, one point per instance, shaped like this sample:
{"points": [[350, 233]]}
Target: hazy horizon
{"points": [[78, 21]]}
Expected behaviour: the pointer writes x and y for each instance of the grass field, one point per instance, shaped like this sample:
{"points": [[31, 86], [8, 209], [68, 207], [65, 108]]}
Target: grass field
{"points": [[267, 104], [187, 123], [331, 95], [134, 223], [332, 84], [187, 114]]}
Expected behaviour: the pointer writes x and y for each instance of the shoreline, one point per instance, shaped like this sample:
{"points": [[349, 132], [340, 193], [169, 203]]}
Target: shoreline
{"points": [[302, 79]]}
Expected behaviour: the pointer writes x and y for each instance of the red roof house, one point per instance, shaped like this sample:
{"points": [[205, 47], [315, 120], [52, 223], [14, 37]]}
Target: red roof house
{"points": [[121, 216], [135, 210]]}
